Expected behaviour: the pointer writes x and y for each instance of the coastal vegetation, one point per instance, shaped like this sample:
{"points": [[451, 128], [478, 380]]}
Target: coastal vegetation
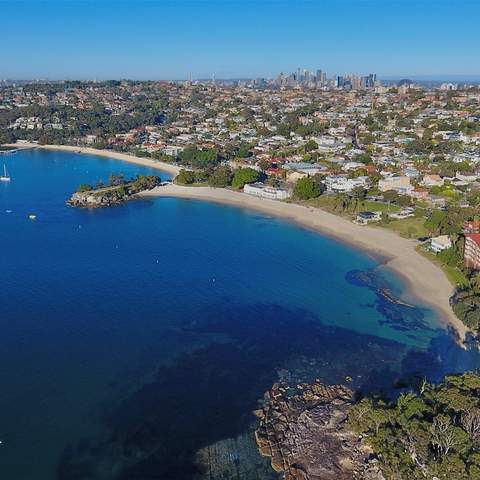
{"points": [[117, 190], [244, 176], [431, 433], [219, 177], [307, 188]]}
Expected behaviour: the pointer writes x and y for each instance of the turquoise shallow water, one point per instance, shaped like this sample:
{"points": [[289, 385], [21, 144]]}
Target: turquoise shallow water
{"points": [[135, 335]]}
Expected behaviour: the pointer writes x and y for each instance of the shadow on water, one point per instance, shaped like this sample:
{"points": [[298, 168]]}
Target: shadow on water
{"points": [[208, 395]]}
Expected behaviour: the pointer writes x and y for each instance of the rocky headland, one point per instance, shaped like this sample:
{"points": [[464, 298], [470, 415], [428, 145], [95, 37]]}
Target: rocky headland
{"points": [[117, 191], [305, 433]]}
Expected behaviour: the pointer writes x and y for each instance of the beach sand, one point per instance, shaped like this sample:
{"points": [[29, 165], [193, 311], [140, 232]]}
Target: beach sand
{"points": [[426, 281], [146, 162]]}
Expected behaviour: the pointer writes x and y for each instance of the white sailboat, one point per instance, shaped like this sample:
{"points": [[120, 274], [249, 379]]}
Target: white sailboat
{"points": [[5, 177]]}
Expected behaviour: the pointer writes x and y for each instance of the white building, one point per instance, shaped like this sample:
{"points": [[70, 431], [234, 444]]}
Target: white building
{"points": [[440, 243], [264, 191], [342, 184], [466, 177], [172, 150]]}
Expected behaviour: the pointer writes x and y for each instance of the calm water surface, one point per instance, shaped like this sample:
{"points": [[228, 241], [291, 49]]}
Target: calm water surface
{"points": [[135, 337]]}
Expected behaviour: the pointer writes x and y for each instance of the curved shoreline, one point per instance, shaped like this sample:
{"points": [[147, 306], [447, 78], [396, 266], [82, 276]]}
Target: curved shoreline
{"points": [[425, 280], [144, 162]]}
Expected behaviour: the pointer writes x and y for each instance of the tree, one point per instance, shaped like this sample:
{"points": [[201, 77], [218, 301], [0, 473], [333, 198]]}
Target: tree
{"points": [[430, 434], [243, 176], [471, 424], [244, 151], [342, 202], [221, 177], [185, 177], [307, 188], [264, 164], [199, 158], [310, 145], [84, 187], [364, 158]]}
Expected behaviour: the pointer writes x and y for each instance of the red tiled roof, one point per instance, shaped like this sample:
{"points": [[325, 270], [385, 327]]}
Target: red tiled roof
{"points": [[474, 236]]}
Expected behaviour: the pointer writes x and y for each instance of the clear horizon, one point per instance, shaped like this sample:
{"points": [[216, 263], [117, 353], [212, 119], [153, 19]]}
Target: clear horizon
{"points": [[166, 40]]}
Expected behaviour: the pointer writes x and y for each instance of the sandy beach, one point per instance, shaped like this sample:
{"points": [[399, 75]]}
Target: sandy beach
{"points": [[426, 280], [146, 162]]}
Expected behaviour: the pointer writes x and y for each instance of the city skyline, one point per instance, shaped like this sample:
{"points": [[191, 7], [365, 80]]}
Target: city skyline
{"points": [[157, 40]]}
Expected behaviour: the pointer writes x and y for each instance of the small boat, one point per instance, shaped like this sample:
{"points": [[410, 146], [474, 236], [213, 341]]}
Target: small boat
{"points": [[32, 217], [5, 177]]}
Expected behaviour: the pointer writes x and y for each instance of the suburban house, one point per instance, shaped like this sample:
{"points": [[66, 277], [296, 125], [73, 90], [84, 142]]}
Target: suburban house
{"points": [[472, 227], [466, 177], [419, 193], [404, 213], [400, 184], [471, 254], [265, 191], [440, 243], [432, 181], [340, 183], [293, 176], [304, 167]]}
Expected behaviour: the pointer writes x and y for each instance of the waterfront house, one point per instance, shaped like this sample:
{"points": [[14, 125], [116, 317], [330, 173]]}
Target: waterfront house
{"points": [[402, 214], [265, 191], [440, 243]]}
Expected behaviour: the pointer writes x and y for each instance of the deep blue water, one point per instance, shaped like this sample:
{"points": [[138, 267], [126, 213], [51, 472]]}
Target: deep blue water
{"points": [[133, 336]]}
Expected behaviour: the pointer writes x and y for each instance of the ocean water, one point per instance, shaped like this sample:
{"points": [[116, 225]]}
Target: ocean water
{"points": [[136, 340]]}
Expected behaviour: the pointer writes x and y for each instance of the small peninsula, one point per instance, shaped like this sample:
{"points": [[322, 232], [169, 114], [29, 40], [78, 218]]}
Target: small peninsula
{"points": [[118, 190]]}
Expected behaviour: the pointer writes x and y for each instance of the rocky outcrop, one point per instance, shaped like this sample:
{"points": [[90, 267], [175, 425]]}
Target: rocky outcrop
{"points": [[113, 194], [95, 198], [304, 432]]}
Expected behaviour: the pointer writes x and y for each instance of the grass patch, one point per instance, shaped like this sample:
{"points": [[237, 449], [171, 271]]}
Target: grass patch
{"points": [[327, 202], [371, 206], [412, 227], [454, 275]]}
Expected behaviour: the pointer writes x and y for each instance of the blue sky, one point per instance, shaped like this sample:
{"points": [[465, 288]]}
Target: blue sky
{"points": [[166, 39]]}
